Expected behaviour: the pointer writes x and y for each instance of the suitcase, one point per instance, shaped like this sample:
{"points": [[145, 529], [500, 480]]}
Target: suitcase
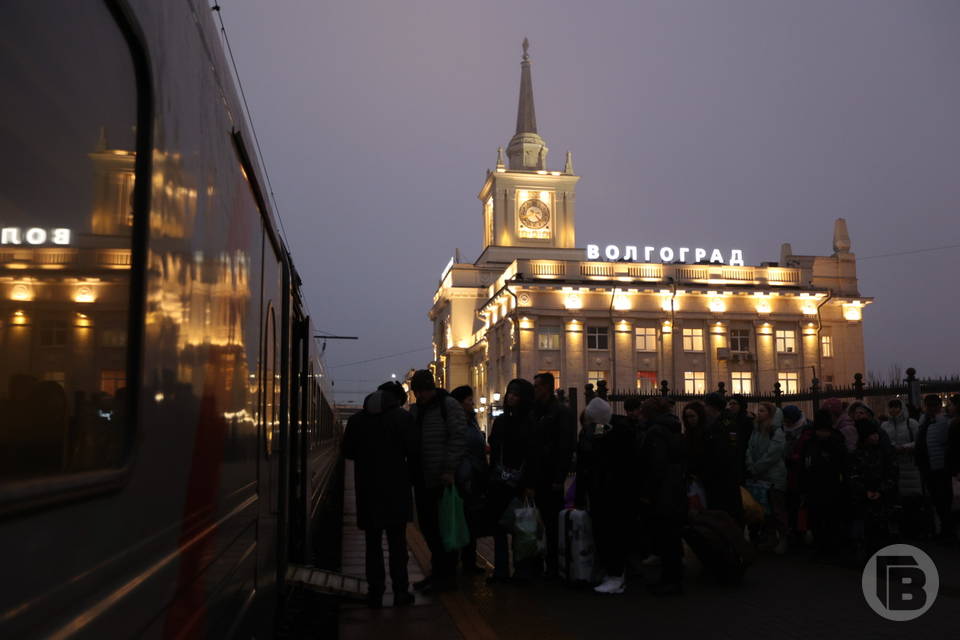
{"points": [[575, 546], [718, 541]]}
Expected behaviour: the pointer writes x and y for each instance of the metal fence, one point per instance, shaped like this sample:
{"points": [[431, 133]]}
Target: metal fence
{"points": [[911, 390]]}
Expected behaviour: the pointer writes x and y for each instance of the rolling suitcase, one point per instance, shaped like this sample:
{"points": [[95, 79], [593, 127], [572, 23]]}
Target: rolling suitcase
{"points": [[575, 546], [718, 541]]}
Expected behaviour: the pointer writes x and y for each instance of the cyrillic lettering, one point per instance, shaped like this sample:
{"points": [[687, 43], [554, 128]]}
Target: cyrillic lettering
{"points": [[699, 254], [666, 254], [593, 252], [736, 258], [647, 252], [10, 235], [716, 256], [36, 235], [60, 236], [683, 253], [630, 253], [612, 252]]}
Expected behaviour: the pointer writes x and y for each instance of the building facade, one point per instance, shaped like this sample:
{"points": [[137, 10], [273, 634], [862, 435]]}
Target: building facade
{"points": [[535, 302]]}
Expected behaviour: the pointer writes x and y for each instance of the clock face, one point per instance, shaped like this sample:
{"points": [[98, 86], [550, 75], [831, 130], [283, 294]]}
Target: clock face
{"points": [[534, 214]]}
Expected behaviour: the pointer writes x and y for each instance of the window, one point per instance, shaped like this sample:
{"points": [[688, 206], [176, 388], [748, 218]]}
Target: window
{"points": [[598, 338], [789, 382], [548, 338], [786, 341], [741, 382], [693, 339], [70, 189], [826, 346], [694, 382], [113, 338], [593, 377], [53, 335], [646, 339], [740, 340], [112, 380], [647, 381]]}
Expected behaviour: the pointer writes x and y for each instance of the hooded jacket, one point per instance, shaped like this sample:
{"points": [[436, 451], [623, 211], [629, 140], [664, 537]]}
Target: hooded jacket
{"points": [[442, 429], [902, 432], [380, 440], [764, 457]]}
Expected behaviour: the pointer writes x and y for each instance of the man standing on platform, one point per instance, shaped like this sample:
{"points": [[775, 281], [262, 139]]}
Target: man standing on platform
{"points": [[557, 434], [442, 429], [379, 440]]}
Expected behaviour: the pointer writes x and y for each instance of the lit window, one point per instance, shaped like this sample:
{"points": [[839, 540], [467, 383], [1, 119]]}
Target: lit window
{"points": [[826, 346], [786, 341], [693, 339], [694, 382], [646, 381], [112, 380], [789, 382], [548, 339], [646, 339], [598, 338], [742, 382], [594, 377], [740, 340]]}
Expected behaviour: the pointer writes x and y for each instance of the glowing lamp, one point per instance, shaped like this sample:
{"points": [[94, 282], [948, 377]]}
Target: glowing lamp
{"points": [[852, 312], [621, 302], [717, 305], [84, 294], [573, 301]]}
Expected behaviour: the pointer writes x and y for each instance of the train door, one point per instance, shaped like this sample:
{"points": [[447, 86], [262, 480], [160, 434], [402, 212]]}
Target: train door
{"points": [[299, 435]]}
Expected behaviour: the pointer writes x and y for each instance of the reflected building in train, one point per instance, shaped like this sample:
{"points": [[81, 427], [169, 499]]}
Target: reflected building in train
{"points": [[631, 316]]}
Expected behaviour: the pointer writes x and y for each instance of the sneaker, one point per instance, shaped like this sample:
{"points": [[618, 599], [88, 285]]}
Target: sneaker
{"points": [[403, 599], [611, 585], [651, 561]]}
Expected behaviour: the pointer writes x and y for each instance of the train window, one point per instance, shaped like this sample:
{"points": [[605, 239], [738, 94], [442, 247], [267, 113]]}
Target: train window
{"points": [[271, 386], [67, 171]]}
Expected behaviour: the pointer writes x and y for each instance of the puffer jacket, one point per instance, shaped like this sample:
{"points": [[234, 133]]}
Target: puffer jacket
{"points": [[764, 458], [442, 437], [902, 432]]}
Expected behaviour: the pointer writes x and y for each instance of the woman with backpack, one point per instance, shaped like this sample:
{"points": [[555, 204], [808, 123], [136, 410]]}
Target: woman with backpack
{"points": [[766, 471]]}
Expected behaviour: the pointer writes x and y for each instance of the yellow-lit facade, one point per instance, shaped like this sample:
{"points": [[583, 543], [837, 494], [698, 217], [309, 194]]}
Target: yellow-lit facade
{"points": [[532, 302]]}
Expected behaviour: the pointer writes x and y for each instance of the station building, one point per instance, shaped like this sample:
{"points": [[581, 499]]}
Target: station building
{"points": [[632, 316]]}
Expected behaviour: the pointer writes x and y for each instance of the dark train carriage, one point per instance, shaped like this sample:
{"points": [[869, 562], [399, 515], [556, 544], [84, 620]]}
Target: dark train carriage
{"points": [[166, 436]]}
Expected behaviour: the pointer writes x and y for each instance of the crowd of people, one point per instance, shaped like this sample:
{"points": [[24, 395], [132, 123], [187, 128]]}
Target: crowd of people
{"points": [[842, 485]]}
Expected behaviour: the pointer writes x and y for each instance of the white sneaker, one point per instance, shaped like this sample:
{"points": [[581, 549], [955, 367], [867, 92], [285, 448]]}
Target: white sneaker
{"points": [[651, 561], [611, 585]]}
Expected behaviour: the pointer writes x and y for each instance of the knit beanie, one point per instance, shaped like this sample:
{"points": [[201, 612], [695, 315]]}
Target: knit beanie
{"points": [[598, 412]]}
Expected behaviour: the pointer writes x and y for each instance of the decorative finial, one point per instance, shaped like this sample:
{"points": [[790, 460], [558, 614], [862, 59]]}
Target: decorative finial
{"points": [[526, 45], [568, 165], [500, 163], [841, 237], [102, 139]]}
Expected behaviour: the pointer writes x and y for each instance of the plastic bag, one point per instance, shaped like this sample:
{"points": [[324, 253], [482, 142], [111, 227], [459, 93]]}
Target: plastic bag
{"points": [[696, 497], [760, 490], [523, 520], [752, 511], [453, 524]]}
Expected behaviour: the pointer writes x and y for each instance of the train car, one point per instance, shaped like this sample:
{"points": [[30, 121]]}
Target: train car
{"points": [[167, 438]]}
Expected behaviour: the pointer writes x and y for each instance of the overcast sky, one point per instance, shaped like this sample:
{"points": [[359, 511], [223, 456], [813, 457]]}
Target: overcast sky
{"points": [[734, 124]]}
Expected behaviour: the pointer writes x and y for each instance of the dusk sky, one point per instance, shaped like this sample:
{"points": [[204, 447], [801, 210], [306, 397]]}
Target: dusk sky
{"points": [[730, 124]]}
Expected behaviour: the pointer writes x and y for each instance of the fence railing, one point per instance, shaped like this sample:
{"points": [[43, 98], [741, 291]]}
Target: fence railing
{"points": [[912, 389]]}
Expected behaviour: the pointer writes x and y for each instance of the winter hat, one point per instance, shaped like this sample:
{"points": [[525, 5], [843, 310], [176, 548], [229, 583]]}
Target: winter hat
{"points": [[791, 413], [715, 400], [422, 380], [833, 405], [598, 412]]}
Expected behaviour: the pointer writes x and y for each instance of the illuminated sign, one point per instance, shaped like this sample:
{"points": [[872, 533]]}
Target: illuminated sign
{"points": [[666, 254], [34, 236]]}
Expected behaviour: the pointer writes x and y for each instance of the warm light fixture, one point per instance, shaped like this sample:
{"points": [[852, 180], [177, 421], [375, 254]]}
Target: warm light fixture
{"points": [[852, 312], [496, 397], [717, 305], [621, 302], [84, 294], [573, 301]]}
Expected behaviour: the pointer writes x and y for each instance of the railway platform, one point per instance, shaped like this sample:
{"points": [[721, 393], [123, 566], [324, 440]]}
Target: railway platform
{"points": [[786, 597]]}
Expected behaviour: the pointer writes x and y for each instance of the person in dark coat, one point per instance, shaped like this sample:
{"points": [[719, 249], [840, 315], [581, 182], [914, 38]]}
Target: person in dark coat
{"points": [[721, 466], [441, 428], [472, 477], [514, 455], [379, 440], [663, 490], [557, 434], [873, 488], [823, 478], [606, 481], [933, 457], [742, 424]]}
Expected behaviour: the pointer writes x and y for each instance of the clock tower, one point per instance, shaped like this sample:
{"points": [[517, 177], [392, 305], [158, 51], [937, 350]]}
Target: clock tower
{"points": [[528, 210]]}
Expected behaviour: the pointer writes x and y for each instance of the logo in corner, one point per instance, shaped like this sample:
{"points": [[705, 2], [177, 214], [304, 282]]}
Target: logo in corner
{"points": [[900, 582]]}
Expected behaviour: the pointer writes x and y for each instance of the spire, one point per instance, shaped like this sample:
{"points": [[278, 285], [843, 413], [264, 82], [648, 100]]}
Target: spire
{"points": [[841, 237], [527, 150], [526, 115]]}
